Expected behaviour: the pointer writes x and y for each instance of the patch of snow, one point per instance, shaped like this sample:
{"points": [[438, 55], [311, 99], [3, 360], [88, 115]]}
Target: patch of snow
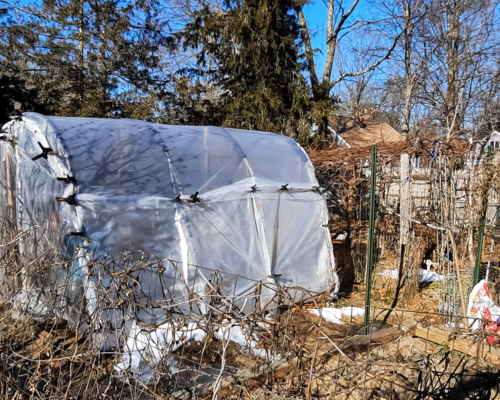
{"points": [[334, 315], [233, 333], [391, 273], [249, 343], [263, 324], [425, 275], [341, 236], [146, 348], [351, 311]]}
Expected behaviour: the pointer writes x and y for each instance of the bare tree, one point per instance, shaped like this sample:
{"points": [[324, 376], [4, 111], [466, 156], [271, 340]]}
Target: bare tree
{"points": [[339, 26], [409, 63], [413, 12], [460, 39], [358, 92], [446, 62]]}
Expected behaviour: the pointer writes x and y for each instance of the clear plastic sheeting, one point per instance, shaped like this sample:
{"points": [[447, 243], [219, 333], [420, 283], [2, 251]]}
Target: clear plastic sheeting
{"points": [[240, 202]]}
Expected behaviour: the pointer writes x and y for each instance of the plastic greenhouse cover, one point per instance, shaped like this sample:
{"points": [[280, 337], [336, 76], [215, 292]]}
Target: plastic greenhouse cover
{"points": [[257, 212]]}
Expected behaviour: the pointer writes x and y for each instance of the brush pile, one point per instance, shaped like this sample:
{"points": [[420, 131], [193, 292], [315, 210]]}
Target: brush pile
{"points": [[275, 352]]}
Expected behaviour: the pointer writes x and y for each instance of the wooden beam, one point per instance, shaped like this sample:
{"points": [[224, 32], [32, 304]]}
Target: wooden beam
{"points": [[466, 346], [432, 334], [405, 202]]}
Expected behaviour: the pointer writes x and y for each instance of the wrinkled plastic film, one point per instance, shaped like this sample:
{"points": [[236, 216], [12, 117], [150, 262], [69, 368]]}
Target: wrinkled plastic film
{"points": [[257, 217]]}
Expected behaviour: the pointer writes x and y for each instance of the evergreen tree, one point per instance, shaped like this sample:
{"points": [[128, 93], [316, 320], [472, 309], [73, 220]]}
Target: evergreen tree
{"points": [[249, 51], [76, 57]]}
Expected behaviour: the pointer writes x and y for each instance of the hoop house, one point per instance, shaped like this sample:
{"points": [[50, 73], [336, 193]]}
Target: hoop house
{"points": [[244, 203]]}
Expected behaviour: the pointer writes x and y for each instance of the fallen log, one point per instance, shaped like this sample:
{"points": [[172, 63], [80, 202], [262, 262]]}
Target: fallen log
{"points": [[379, 337]]}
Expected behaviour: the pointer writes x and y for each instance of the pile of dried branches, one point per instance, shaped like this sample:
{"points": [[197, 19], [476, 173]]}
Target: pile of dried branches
{"points": [[204, 345], [343, 171], [389, 151]]}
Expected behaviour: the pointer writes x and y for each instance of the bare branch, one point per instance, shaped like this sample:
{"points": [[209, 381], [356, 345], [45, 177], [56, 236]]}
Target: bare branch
{"points": [[369, 68], [27, 10], [332, 41]]}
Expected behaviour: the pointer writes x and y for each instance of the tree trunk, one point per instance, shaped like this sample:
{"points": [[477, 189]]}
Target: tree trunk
{"points": [[452, 115], [407, 45], [81, 50]]}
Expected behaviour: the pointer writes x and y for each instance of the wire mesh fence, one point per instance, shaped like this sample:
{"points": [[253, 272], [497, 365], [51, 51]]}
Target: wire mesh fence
{"points": [[444, 190], [95, 326], [80, 321]]}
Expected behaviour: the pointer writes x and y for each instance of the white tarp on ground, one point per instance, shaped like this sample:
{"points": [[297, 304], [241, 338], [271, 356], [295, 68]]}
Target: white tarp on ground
{"points": [[241, 202]]}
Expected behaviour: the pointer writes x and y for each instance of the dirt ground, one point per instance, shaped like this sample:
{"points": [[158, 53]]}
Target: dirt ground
{"points": [[301, 356], [48, 359]]}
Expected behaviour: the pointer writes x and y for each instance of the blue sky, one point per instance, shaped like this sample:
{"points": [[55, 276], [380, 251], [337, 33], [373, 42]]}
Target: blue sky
{"points": [[316, 13]]}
